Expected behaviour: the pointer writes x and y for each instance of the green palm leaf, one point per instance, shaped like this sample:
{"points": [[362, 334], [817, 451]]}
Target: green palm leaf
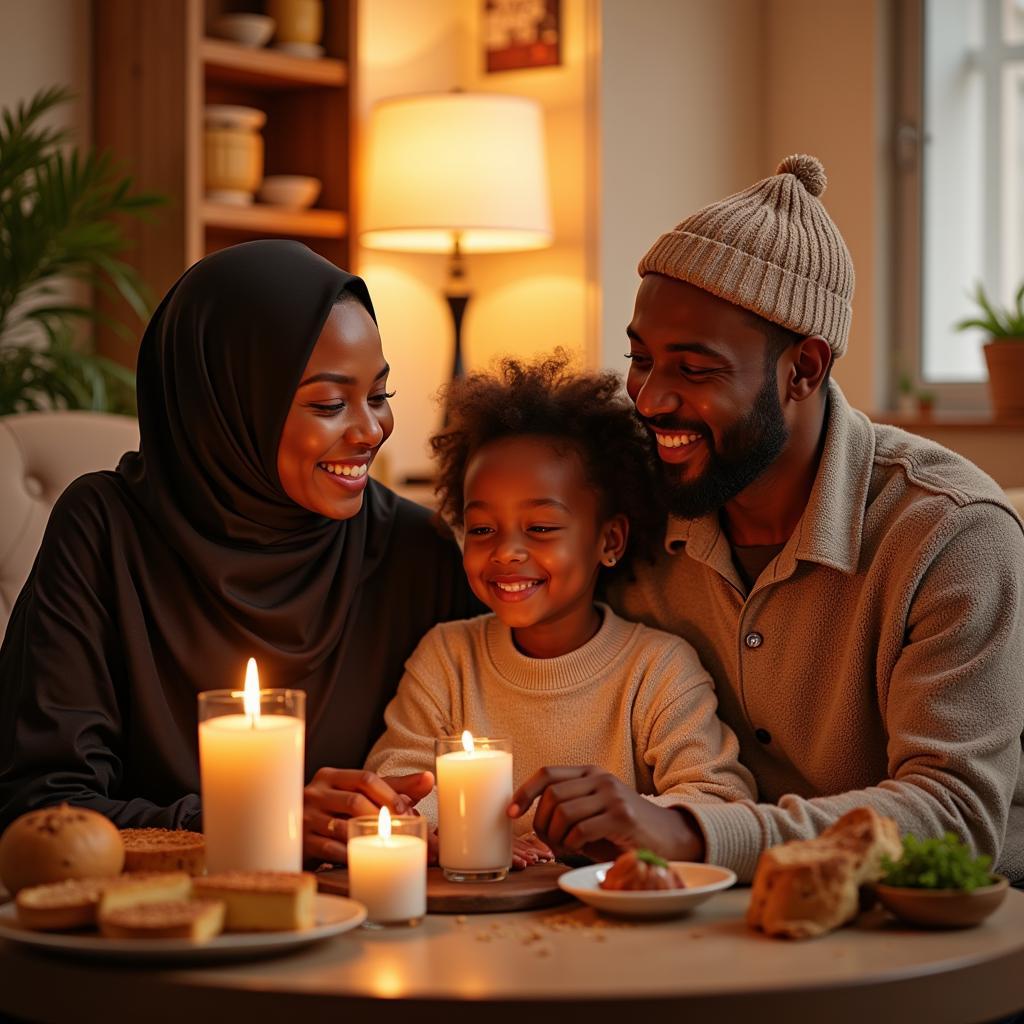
{"points": [[58, 223]]}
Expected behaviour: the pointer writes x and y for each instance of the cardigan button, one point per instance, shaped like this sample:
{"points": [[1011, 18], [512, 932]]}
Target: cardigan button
{"points": [[763, 736], [753, 640]]}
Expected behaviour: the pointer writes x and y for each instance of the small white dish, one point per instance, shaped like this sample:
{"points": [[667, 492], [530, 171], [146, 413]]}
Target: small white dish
{"points": [[308, 51], [293, 191], [702, 882], [253, 30], [334, 915]]}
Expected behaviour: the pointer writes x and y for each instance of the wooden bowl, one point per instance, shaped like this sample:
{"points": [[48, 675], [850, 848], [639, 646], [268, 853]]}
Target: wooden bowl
{"points": [[943, 908]]}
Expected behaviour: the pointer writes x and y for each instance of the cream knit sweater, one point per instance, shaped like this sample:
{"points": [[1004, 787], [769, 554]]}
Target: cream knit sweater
{"points": [[632, 700]]}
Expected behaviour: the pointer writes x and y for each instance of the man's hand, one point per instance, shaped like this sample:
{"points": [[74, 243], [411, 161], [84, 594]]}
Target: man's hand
{"points": [[588, 810], [337, 794]]}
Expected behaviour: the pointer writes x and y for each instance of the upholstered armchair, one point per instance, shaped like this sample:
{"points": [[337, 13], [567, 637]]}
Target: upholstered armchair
{"points": [[40, 454]]}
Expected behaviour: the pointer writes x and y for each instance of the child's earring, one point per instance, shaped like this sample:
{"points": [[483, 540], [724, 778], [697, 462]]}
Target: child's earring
{"points": [[610, 560]]}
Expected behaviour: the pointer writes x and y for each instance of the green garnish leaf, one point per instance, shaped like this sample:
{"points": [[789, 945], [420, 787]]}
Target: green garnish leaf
{"points": [[649, 857], [944, 863]]}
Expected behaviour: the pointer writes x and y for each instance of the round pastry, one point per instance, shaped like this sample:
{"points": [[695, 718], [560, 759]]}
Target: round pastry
{"points": [[642, 870], [164, 849], [57, 843]]}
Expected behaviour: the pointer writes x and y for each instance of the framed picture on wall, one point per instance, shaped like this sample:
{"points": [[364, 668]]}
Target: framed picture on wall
{"points": [[521, 34]]}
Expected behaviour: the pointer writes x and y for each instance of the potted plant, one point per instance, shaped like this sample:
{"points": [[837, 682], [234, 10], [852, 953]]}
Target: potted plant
{"points": [[58, 210], [1004, 351]]}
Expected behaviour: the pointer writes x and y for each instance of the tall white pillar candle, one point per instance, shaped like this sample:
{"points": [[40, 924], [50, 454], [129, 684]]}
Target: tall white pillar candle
{"points": [[251, 764], [387, 867], [474, 789]]}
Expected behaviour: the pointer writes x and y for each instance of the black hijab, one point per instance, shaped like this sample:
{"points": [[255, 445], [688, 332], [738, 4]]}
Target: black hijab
{"points": [[218, 366], [158, 581]]}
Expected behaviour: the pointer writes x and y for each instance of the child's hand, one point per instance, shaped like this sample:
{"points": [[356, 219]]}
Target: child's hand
{"points": [[530, 849], [587, 810]]}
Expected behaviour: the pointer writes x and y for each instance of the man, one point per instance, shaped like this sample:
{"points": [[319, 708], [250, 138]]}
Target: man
{"points": [[856, 592]]}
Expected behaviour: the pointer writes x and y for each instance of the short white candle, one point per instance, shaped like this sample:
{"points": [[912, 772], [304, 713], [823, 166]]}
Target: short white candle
{"points": [[251, 767], [474, 789], [387, 873]]}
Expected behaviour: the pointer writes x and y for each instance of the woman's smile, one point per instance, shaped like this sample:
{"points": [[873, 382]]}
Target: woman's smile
{"points": [[351, 474]]}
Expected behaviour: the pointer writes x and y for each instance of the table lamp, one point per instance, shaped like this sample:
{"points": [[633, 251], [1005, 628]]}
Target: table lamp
{"points": [[456, 173]]}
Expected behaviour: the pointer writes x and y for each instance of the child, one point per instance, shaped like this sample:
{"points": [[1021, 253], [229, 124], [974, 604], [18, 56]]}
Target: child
{"points": [[545, 471]]}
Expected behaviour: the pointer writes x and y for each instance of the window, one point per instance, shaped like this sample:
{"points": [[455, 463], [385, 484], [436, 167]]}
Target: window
{"points": [[960, 182]]}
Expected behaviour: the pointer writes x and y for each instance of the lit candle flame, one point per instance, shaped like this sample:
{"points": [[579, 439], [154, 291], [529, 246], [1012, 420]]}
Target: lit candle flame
{"points": [[251, 694], [384, 824], [467, 742]]}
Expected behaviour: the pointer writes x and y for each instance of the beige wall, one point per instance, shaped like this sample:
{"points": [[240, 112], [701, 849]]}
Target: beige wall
{"points": [[826, 92], [681, 125], [44, 43], [523, 302]]}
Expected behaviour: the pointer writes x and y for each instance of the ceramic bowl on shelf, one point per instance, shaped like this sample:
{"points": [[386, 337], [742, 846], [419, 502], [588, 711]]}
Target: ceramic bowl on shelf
{"points": [[293, 191], [252, 30], [942, 908]]}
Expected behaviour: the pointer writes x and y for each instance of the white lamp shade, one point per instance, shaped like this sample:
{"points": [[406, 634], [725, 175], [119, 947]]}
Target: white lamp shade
{"points": [[447, 164]]}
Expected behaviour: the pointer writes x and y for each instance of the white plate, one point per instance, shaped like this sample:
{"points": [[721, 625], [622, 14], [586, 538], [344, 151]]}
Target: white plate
{"points": [[334, 915], [702, 882]]}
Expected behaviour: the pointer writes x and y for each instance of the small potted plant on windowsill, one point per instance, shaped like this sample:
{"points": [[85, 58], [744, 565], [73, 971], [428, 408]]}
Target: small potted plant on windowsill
{"points": [[1004, 351]]}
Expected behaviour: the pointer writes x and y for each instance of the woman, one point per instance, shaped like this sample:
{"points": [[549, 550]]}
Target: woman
{"points": [[245, 525]]}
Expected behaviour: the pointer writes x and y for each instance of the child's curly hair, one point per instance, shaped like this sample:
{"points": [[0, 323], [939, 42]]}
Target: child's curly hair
{"points": [[546, 398]]}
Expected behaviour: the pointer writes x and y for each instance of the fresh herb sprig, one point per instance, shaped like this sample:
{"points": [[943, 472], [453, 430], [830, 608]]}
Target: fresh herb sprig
{"points": [[944, 863], [649, 857]]}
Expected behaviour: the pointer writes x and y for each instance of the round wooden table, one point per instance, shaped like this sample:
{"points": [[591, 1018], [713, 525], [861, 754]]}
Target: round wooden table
{"points": [[562, 964]]}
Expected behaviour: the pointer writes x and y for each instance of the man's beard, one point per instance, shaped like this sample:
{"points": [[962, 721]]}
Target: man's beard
{"points": [[746, 450]]}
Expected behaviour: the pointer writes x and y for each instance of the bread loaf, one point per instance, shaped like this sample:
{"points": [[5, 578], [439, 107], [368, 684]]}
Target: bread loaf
{"points": [[163, 849], [809, 887], [262, 900]]}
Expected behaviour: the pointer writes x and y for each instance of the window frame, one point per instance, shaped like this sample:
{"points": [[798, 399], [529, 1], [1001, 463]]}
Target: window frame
{"points": [[909, 141]]}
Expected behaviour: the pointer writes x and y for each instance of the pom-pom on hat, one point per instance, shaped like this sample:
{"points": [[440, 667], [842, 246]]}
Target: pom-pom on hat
{"points": [[772, 249]]}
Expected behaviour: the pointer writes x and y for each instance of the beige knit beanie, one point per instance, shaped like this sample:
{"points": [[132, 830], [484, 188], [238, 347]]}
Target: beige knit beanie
{"points": [[772, 249]]}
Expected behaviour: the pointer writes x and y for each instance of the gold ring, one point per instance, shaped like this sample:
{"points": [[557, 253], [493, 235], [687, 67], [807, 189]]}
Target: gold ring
{"points": [[330, 825]]}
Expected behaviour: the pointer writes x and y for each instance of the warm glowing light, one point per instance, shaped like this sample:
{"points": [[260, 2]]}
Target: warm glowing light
{"points": [[453, 165], [467, 742], [384, 824], [251, 694]]}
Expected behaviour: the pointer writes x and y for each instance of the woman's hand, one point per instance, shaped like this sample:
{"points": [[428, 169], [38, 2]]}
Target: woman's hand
{"points": [[530, 849], [337, 794], [588, 810]]}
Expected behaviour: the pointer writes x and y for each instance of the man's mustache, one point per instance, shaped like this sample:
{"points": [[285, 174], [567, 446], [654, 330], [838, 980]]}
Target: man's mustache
{"points": [[673, 426]]}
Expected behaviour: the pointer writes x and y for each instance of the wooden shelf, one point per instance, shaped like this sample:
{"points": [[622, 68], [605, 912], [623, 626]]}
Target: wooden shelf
{"points": [[261, 218], [232, 64]]}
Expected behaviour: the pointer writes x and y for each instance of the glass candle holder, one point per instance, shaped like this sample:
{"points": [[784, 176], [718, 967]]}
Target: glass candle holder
{"points": [[251, 767], [387, 868], [474, 789]]}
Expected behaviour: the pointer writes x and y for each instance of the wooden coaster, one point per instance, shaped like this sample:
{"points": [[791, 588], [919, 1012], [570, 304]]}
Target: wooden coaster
{"points": [[534, 887]]}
